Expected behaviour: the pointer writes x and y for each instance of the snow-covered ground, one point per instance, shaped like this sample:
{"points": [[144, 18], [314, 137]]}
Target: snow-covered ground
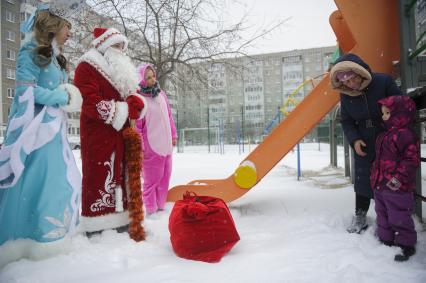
{"points": [[291, 231]]}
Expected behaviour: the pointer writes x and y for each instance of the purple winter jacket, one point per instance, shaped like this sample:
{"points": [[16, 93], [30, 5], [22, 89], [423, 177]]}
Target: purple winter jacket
{"points": [[397, 149]]}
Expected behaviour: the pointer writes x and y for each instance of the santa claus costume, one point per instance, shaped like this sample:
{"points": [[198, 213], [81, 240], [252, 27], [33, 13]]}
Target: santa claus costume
{"points": [[107, 81], [158, 132]]}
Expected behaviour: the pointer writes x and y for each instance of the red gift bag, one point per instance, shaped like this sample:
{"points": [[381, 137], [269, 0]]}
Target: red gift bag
{"points": [[202, 228]]}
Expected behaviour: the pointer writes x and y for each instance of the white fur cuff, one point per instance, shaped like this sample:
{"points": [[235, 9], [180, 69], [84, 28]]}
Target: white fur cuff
{"points": [[104, 222], [75, 99], [121, 115], [13, 250], [145, 105]]}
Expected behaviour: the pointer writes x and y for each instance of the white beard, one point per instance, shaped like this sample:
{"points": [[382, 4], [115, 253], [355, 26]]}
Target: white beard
{"points": [[123, 71]]}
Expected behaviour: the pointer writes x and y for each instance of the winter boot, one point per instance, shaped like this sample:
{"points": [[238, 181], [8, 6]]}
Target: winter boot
{"points": [[407, 251], [387, 243], [94, 233], [122, 229], [359, 222]]}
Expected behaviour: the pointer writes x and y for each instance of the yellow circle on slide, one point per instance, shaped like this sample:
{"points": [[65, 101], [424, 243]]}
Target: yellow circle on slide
{"points": [[245, 176]]}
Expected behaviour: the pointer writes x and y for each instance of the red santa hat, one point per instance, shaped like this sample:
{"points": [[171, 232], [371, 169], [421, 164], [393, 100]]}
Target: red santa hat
{"points": [[105, 38]]}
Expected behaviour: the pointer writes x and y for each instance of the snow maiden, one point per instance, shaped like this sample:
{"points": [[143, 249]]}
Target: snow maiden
{"points": [[39, 181]]}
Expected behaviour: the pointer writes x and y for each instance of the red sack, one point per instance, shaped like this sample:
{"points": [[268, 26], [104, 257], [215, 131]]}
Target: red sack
{"points": [[202, 228]]}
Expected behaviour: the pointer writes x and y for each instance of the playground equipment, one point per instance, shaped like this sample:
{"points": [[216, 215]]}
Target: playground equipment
{"points": [[367, 28], [289, 104]]}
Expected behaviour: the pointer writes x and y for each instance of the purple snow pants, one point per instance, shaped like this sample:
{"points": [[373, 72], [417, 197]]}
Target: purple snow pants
{"points": [[394, 222]]}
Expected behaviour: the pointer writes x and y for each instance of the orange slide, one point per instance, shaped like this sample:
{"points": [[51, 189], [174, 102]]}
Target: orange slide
{"points": [[364, 27]]}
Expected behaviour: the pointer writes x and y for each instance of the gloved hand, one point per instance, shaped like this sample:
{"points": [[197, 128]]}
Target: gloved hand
{"points": [[394, 184], [135, 106]]}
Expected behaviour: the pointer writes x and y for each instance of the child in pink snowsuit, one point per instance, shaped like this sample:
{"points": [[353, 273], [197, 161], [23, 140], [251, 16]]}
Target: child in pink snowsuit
{"points": [[393, 175], [158, 133]]}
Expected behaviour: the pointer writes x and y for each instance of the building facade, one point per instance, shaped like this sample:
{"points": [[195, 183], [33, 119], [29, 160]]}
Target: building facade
{"points": [[244, 95], [9, 47]]}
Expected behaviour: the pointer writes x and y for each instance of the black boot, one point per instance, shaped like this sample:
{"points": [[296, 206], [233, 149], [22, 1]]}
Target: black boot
{"points": [[387, 243], [122, 229], [93, 233], [359, 222], [407, 251]]}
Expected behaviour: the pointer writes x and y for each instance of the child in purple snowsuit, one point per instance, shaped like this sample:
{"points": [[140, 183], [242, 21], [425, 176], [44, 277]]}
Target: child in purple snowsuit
{"points": [[393, 175], [158, 133]]}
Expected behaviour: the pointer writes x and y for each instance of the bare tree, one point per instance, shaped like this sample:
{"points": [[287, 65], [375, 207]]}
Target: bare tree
{"points": [[169, 33], [83, 25]]}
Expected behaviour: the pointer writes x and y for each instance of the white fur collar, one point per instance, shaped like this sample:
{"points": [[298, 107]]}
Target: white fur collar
{"points": [[55, 47], [94, 58]]}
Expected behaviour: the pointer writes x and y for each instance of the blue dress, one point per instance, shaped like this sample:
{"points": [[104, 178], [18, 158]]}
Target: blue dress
{"points": [[40, 184]]}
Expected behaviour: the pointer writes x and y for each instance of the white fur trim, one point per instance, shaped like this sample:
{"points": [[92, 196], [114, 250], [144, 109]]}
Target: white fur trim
{"points": [[145, 104], [119, 199], [95, 59], [104, 222], [55, 47], [111, 41], [121, 115], [110, 37], [75, 100], [349, 66], [14, 250]]}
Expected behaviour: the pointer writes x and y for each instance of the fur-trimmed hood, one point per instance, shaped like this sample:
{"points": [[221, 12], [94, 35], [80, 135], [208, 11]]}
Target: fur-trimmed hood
{"points": [[350, 62], [402, 111]]}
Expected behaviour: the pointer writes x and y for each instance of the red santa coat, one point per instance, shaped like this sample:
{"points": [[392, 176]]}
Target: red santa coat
{"points": [[103, 118]]}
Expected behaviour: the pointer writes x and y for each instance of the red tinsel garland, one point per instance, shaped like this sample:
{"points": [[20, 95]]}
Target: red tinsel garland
{"points": [[133, 158]]}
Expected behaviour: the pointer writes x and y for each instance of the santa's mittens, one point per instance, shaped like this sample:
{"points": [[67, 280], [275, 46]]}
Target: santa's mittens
{"points": [[136, 104]]}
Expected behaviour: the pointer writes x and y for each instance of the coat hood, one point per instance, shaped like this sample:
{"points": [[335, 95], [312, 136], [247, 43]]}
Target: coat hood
{"points": [[146, 91], [350, 62], [142, 70], [402, 111]]}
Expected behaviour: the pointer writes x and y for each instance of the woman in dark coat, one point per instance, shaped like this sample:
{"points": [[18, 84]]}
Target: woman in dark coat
{"points": [[360, 90]]}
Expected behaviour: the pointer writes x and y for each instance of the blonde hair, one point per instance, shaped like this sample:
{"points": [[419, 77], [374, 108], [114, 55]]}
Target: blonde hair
{"points": [[46, 26]]}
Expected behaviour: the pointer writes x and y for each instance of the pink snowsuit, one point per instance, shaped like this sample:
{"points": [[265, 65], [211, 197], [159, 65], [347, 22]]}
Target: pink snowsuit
{"points": [[157, 130]]}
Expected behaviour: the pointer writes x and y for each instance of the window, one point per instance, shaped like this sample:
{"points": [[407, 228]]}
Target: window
{"points": [[10, 35], [23, 19], [11, 55], [10, 16], [26, 16], [10, 74], [10, 92]]}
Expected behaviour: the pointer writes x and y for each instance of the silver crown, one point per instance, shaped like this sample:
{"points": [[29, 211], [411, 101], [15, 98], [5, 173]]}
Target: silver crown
{"points": [[65, 9]]}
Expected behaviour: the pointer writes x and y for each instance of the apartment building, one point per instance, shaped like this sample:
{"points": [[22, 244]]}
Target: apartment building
{"points": [[9, 47], [244, 94]]}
